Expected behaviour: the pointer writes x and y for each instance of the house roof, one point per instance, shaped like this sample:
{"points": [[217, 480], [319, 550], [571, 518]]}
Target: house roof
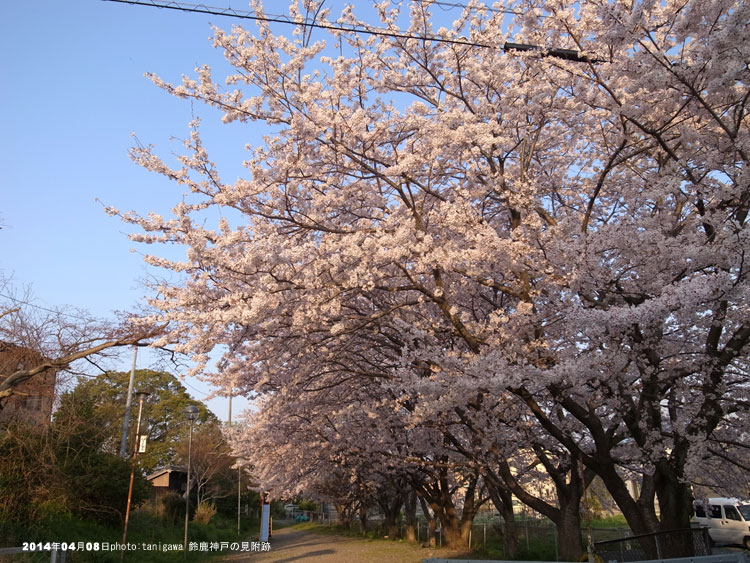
{"points": [[163, 470]]}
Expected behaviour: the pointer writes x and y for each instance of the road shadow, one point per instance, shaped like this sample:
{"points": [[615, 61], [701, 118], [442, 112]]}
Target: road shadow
{"points": [[317, 553]]}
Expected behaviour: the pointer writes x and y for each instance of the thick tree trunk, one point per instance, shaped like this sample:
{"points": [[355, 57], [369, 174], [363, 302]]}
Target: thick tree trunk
{"points": [[566, 517], [503, 500], [390, 502], [438, 494], [449, 524], [569, 530], [431, 524], [675, 503], [344, 515], [472, 504], [449, 521], [639, 512], [363, 510], [390, 527], [410, 516]]}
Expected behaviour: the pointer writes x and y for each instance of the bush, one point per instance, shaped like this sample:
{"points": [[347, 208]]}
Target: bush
{"points": [[205, 512], [308, 505], [62, 469], [174, 508]]}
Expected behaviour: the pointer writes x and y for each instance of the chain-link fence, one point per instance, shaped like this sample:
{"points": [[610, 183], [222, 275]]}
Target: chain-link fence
{"points": [[660, 545], [537, 537]]}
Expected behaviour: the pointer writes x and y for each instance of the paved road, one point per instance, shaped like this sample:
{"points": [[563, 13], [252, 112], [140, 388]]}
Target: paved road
{"points": [[289, 545]]}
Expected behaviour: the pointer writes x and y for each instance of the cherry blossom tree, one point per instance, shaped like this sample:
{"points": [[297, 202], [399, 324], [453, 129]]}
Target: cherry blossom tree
{"points": [[451, 222], [299, 439]]}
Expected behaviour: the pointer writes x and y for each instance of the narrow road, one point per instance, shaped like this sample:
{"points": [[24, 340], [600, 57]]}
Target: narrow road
{"points": [[290, 545]]}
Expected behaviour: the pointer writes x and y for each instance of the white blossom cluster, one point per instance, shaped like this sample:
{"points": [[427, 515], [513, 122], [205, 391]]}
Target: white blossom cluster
{"points": [[452, 259]]}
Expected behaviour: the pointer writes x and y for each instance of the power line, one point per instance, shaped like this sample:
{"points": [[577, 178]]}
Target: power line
{"points": [[54, 312], [464, 6], [273, 18], [567, 54], [48, 310]]}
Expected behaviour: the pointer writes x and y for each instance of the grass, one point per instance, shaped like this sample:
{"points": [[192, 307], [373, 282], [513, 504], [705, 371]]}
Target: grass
{"points": [[539, 546], [616, 521]]}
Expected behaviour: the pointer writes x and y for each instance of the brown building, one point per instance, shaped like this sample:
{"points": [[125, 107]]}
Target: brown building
{"points": [[32, 400], [168, 479]]}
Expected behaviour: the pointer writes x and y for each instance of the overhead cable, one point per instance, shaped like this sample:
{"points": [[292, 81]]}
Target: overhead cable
{"points": [[241, 14], [567, 54]]}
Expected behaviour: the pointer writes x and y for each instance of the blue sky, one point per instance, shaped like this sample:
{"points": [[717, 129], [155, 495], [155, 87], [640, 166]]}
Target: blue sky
{"points": [[72, 90]]}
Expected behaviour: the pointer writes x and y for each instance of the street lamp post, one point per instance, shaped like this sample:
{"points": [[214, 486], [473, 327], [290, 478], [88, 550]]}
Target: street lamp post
{"points": [[191, 413], [141, 396]]}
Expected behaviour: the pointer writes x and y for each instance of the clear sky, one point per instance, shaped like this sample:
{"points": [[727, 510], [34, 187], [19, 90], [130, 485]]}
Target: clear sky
{"points": [[72, 90]]}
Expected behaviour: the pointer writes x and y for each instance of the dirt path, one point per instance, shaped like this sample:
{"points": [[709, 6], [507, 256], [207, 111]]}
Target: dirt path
{"points": [[290, 545]]}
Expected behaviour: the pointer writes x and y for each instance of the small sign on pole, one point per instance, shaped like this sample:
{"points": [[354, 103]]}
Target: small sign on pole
{"points": [[142, 444]]}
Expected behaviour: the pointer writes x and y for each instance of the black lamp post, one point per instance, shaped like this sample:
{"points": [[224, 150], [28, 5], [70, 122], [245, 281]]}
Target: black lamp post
{"points": [[191, 413]]}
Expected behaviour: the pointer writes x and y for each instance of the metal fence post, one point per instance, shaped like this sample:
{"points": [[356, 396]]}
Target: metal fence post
{"points": [[527, 535], [557, 551]]}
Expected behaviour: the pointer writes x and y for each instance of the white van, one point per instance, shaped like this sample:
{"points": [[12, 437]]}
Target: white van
{"points": [[727, 520]]}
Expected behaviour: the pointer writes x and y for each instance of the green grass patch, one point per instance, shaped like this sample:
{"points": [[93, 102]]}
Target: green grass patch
{"points": [[616, 521], [540, 545]]}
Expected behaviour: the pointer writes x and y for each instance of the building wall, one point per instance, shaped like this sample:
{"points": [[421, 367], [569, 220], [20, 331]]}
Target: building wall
{"points": [[161, 480], [33, 399]]}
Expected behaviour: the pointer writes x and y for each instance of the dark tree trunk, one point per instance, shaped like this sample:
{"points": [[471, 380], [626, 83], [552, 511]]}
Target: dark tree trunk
{"points": [[675, 505], [503, 500], [640, 516], [344, 514], [472, 504], [569, 488], [439, 497], [431, 524], [410, 516], [363, 510], [449, 522], [675, 499], [569, 528], [390, 527], [390, 502], [639, 512]]}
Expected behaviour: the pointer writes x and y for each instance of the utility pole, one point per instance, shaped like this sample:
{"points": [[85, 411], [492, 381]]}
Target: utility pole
{"points": [[141, 396], [239, 471], [239, 497], [128, 401], [191, 413]]}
